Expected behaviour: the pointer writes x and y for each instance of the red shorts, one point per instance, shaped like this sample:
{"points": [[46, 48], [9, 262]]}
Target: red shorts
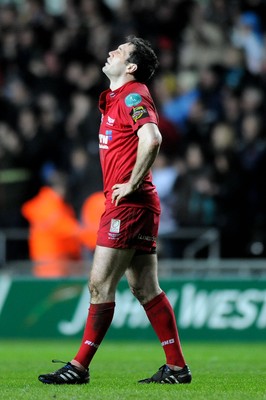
{"points": [[129, 228]]}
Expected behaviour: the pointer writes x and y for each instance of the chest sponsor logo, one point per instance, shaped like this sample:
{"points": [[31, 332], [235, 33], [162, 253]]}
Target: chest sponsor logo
{"points": [[139, 113], [104, 139], [133, 99]]}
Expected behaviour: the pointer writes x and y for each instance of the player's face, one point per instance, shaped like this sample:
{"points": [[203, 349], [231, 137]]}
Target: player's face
{"points": [[116, 64]]}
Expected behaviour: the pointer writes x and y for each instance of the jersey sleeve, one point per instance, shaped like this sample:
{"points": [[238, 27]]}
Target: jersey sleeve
{"points": [[139, 110]]}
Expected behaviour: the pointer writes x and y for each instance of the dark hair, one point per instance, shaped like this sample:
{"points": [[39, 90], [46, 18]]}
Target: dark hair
{"points": [[144, 57]]}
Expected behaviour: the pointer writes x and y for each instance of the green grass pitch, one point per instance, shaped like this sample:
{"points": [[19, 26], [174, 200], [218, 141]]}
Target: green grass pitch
{"points": [[222, 371]]}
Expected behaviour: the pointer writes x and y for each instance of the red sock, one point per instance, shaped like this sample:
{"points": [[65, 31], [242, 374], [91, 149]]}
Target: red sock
{"points": [[99, 319], [162, 318]]}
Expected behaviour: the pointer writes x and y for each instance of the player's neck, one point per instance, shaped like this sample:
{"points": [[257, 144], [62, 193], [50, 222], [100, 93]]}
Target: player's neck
{"points": [[121, 81]]}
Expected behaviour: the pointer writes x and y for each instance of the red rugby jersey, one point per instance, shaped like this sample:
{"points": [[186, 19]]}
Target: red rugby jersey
{"points": [[124, 111]]}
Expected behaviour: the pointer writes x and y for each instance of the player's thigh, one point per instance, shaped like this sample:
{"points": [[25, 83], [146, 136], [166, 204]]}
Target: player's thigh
{"points": [[142, 277], [109, 265]]}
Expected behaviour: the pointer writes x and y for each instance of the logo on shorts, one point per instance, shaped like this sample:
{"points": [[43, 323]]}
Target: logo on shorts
{"points": [[146, 237], [115, 225]]}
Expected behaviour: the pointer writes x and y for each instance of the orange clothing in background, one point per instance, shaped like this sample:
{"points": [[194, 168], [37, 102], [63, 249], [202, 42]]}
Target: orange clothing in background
{"points": [[54, 241], [56, 237], [91, 212]]}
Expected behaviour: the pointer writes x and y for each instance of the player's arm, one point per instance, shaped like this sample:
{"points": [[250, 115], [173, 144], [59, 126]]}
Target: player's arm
{"points": [[149, 144]]}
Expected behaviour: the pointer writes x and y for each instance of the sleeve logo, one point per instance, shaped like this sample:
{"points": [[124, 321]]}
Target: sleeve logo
{"points": [[133, 99], [139, 113]]}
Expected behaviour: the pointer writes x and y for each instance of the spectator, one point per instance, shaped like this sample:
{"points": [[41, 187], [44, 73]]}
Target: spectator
{"points": [[82, 121], [15, 181], [91, 211], [222, 138], [231, 109], [186, 93], [236, 73], [165, 172], [252, 99], [56, 237], [85, 177], [194, 190], [203, 41], [231, 205], [247, 34], [251, 151]]}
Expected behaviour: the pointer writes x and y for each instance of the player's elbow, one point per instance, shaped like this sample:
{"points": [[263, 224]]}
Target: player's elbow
{"points": [[150, 137], [156, 141]]}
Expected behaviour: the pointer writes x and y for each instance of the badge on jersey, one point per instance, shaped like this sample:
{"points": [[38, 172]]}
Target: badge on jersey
{"points": [[133, 99], [139, 113], [115, 225], [110, 121]]}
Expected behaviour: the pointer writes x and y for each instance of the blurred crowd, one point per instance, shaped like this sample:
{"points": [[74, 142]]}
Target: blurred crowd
{"points": [[209, 91]]}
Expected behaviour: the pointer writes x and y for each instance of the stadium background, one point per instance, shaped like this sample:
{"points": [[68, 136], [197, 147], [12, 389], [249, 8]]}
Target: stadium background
{"points": [[210, 94]]}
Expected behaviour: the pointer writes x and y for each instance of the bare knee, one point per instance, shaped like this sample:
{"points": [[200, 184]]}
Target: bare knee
{"points": [[144, 295], [139, 293], [100, 292], [94, 291]]}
